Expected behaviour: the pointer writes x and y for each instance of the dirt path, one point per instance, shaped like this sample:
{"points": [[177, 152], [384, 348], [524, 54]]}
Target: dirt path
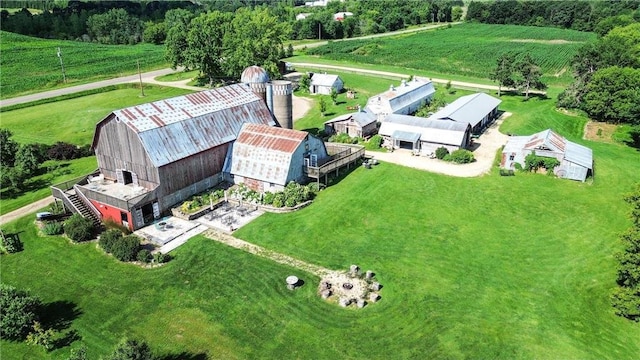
{"points": [[25, 210], [487, 146], [260, 251]]}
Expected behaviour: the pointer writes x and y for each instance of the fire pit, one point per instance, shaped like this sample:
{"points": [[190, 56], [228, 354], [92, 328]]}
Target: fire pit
{"points": [[347, 286]]}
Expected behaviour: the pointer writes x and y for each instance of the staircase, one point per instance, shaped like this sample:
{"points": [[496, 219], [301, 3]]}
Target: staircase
{"points": [[82, 209]]}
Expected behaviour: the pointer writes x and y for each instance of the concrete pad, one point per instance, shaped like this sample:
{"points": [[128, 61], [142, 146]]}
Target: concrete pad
{"points": [[161, 235], [229, 218], [181, 239]]}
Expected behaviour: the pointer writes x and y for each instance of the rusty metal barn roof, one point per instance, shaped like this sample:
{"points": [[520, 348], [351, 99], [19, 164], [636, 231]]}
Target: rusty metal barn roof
{"points": [[179, 127], [265, 153], [546, 140]]}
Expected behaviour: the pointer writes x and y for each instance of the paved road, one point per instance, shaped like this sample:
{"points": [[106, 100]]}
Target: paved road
{"points": [[392, 33], [33, 207], [146, 77]]}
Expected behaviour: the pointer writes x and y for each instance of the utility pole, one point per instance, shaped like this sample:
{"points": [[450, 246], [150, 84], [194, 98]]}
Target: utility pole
{"points": [[319, 31], [64, 77], [140, 77]]}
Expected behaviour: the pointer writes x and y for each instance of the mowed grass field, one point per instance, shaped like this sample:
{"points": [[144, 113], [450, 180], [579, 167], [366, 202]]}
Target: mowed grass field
{"points": [[466, 49], [31, 64], [491, 267]]}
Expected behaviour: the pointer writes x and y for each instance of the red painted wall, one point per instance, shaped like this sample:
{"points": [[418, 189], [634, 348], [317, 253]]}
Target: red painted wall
{"points": [[112, 213]]}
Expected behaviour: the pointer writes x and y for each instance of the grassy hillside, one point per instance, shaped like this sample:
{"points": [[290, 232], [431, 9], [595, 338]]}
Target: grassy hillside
{"points": [[467, 49], [31, 64]]}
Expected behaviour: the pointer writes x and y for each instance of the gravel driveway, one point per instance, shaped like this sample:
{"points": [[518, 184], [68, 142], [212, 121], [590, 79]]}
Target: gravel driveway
{"points": [[485, 151]]}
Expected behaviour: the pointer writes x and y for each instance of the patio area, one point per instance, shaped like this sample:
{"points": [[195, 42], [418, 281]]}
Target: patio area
{"points": [[230, 217]]}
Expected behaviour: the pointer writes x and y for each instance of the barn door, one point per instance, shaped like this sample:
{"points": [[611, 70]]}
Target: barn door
{"points": [[156, 210], [139, 220], [120, 176]]}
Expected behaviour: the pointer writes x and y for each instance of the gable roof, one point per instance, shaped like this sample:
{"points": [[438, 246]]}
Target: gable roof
{"points": [[548, 140], [362, 118], [430, 130], [324, 79], [175, 128], [470, 109], [397, 98], [265, 153]]}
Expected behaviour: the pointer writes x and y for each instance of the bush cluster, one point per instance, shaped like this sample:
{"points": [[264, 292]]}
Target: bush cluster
{"points": [[533, 162], [78, 228], [123, 248], [10, 243], [344, 138], [18, 312], [195, 202], [53, 228], [292, 195], [460, 156], [442, 152], [626, 297]]}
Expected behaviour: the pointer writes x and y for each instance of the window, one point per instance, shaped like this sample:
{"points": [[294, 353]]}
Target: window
{"points": [[512, 157]]}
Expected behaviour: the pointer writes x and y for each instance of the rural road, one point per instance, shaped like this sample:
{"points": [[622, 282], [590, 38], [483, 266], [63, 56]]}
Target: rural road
{"points": [[33, 207]]}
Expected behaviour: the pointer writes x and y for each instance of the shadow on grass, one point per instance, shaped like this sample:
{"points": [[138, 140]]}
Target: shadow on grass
{"points": [[69, 338], [184, 356], [58, 315], [29, 186], [312, 131]]}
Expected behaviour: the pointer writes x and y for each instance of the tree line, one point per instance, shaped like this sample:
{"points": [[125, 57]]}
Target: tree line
{"points": [[626, 296], [130, 22], [607, 78], [569, 14]]}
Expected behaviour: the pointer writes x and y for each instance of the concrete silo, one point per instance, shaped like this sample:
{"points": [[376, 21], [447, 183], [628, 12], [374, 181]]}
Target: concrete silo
{"points": [[257, 78], [280, 102]]}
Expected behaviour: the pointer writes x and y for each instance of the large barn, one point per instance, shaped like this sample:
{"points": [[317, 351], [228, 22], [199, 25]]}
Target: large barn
{"points": [[576, 161], [404, 100], [477, 110], [423, 135], [154, 155], [267, 158]]}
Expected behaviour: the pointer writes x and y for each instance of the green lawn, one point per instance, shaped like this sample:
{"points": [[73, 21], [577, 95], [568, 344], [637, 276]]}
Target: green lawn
{"points": [[52, 172], [492, 267], [182, 75], [74, 120], [31, 64]]}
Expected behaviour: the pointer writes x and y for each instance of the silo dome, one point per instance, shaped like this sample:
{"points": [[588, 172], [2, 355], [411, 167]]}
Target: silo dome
{"points": [[254, 74]]}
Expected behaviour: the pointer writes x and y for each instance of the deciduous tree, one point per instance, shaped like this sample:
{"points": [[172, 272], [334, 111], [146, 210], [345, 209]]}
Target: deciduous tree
{"points": [[205, 44], [612, 95], [530, 75], [18, 312], [504, 70]]}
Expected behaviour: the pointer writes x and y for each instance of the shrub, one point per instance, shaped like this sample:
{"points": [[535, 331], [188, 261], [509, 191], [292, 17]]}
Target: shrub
{"points": [[62, 151], [518, 166], [268, 197], [18, 312], [278, 199], [126, 248], [131, 349], [144, 256], [53, 228], [78, 228], [109, 238], [441, 152], [11, 243], [626, 302], [375, 142], [40, 336], [161, 258], [461, 156]]}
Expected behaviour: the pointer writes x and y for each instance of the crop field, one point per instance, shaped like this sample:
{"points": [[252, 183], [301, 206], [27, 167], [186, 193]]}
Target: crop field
{"points": [[31, 64], [466, 49]]}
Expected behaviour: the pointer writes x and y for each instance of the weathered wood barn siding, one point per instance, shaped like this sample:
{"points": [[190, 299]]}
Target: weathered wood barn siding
{"points": [[118, 147]]}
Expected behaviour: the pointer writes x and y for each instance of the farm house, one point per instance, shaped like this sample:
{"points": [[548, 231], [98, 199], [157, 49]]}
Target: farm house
{"points": [[576, 161], [267, 158], [359, 124], [404, 100], [477, 110], [422, 135], [154, 155], [323, 83]]}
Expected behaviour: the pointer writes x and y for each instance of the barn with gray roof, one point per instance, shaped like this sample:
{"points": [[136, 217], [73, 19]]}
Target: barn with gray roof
{"points": [[423, 135], [267, 158], [154, 155], [576, 161], [358, 124], [477, 110], [404, 99]]}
